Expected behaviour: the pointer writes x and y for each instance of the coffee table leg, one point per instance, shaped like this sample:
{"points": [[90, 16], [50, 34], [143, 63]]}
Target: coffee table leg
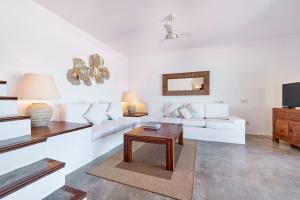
{"points": [[127, 149], [170, 153], [180, 138]]}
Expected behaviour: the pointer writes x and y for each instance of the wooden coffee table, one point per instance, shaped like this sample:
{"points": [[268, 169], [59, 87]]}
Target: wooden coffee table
{"points": [[167, 134]]}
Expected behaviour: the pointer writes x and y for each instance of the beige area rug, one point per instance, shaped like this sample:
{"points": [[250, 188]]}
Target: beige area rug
{"points": [[147, 171]]}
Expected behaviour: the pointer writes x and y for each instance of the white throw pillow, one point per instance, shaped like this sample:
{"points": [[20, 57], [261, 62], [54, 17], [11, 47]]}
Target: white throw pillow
{"points": [[185, 113], [174, 113], [96, 114], [115, 111], [171, 109], [191, 109]]}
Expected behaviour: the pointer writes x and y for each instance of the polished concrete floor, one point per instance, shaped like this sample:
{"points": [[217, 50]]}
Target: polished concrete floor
{"points": [[259, 170]]}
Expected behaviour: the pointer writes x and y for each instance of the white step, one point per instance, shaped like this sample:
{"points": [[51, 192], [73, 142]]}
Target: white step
{"points": [[8, 106], [14, 126], [34, 181], [18, 152], [3, 88]]}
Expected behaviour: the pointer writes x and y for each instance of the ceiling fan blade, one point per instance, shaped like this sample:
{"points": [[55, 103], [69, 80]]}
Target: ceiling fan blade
{"points": [[170, 17], [168, 28], [184, 35], [163, 40]]}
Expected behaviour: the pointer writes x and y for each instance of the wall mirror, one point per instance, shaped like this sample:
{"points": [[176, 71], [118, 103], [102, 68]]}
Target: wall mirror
{"points": [[188, 83]]}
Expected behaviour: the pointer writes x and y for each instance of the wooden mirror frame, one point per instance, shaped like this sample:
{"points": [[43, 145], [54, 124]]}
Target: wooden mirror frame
{"points": [[204, 91]]}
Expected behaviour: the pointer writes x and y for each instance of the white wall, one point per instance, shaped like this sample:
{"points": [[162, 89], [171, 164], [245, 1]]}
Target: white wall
{"points": [[250, 71], [34, 40]]}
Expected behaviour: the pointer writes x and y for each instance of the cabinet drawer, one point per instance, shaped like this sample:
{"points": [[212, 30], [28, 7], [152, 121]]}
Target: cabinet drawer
{"points": [[282, 129], [296, 117], [284, 115], [295, 131]]}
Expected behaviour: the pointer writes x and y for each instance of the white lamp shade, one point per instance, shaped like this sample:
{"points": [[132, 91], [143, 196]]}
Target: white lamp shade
{"points": [[37, 86], [130, 96]]}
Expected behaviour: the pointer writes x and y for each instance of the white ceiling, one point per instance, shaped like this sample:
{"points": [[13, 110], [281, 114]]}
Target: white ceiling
{"points": [[135, 27]]}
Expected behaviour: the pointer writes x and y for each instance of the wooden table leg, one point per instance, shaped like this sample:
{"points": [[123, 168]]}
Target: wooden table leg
{"points": [[180, 138], [170, 154], [127, 149]]}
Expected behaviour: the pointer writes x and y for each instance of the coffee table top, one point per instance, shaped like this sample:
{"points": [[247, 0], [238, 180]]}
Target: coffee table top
{"points": [[170, 131]]}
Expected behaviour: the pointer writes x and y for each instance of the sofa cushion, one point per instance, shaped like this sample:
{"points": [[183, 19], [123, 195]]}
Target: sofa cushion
{"points": [[217, 111], [115, 110], [172, 109], [172, 120], [193, 122], [147, 119], [96, 114], [222, 124], [112, 126], [156, 109], [197, 109], [73, 112]]}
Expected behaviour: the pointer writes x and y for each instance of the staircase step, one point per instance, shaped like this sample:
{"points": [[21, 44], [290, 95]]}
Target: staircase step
{"points": [[8, 105], [8, 98], [13, 117], [19, 142], [67, 193], [24, 176], [3, 88], [21, 151], [13, 126]]}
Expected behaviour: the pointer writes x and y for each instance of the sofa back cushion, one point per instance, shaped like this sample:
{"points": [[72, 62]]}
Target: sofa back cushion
{"points": [[115, 110], [73, 112], [196, 109], [216, 111], [156, 109]]}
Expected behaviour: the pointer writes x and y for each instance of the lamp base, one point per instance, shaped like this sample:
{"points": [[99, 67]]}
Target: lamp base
{"points": [[40, 113], [131, 108]]}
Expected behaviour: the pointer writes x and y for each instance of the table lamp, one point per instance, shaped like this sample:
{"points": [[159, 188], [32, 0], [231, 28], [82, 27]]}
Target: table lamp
{"points": [[38, 87], [130, 97]]}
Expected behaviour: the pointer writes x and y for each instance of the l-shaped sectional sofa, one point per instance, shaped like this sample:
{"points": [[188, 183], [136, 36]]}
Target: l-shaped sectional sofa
{"points": [[210, 122]]}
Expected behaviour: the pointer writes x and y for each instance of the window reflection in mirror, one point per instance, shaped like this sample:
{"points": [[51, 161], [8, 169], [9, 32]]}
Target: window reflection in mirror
{"points": [[185, 84]]}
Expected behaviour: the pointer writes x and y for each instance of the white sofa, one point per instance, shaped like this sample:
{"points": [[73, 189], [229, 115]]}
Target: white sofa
{"points": [[210, 122], [74, 112]]}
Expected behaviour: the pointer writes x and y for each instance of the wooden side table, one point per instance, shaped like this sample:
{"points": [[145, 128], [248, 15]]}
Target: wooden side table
{"points": [[136, 114]]}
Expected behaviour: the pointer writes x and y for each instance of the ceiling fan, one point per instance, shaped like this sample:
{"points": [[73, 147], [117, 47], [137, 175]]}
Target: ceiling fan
{"points": [[171, 35]]}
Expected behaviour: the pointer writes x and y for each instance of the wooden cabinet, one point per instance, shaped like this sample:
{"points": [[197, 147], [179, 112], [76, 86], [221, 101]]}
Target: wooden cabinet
{"points": [[286, 125]]}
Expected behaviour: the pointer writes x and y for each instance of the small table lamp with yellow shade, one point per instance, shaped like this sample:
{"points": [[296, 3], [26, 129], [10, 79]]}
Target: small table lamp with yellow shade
{"points": [[38, 87], [130, 97]]}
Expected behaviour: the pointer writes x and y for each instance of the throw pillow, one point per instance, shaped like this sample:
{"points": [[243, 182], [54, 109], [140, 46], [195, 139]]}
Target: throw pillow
{"points": [[190, 108], [171, 109], [185, 113], [115, 111], [174, 113], [96, 114]]}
